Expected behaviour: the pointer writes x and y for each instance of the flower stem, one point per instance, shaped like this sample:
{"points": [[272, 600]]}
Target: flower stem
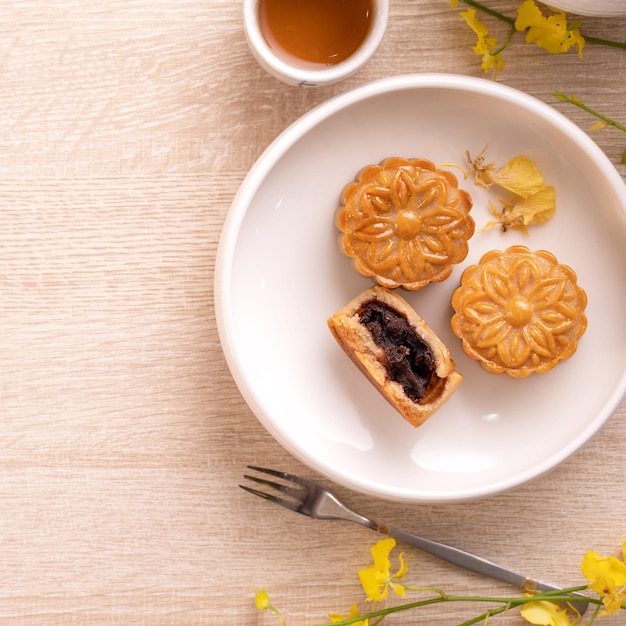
{"points": [[505, 44], [564, 596], [486, 615], [485, 9], [603, 42], [576, 102], [595, 614], [281, 619]]}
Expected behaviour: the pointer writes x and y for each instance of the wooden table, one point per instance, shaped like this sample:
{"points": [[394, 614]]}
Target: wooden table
{"points": [[126, 127]]}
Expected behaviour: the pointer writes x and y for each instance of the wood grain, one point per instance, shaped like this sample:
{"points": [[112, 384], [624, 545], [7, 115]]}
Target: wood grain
{"points": [[126, 127]]}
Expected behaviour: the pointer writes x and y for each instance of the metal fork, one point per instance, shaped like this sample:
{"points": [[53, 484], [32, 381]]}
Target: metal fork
{"points": [[313, 500]]}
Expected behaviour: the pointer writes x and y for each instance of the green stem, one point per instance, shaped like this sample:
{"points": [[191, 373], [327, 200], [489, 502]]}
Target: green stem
{"points": [[576, 102], [439, 592], [505, 44], [486, 615], [603, 42], [595, 614], [278, 614], [394, 609], [485, 9], [563, 596]]}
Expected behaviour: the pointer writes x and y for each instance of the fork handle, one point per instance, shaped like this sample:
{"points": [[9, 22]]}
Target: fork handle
{"points": [[476, 564], [461, 558]]}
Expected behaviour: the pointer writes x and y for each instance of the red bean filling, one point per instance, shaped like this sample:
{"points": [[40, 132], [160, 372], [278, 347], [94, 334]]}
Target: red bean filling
{"points": [[409, 360]]}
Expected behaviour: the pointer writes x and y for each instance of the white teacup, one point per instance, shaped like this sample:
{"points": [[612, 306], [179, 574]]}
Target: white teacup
{"points": [[302, 76]]}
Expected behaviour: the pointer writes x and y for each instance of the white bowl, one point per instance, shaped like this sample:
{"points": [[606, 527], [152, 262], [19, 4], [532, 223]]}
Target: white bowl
{"points": [[599, 8], [280, 275]]}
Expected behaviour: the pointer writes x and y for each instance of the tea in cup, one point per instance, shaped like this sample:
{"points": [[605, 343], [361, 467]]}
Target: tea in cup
{"points": [[314, 42]]}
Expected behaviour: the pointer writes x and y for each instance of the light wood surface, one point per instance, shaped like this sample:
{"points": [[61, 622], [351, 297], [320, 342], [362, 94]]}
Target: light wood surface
{"points": [[126, 127]]}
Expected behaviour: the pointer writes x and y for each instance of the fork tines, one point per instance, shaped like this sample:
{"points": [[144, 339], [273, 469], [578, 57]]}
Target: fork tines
{"points": [[298, 493]]}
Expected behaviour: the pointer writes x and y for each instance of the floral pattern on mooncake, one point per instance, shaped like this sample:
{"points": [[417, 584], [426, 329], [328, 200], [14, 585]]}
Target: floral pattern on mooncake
{"points": [[519, 311], [405, 223]]}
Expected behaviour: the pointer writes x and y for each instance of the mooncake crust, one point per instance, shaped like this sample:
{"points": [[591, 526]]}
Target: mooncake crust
{"points": [[519, 312], [405, 223]]}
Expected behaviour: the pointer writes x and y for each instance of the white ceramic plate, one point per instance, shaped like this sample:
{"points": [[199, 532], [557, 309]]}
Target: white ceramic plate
{"points": [[280, 275]]}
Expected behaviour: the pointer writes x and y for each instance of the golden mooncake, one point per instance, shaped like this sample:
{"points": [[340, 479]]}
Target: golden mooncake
{"points": [[405, 223], [397, 351], [518, 311]]}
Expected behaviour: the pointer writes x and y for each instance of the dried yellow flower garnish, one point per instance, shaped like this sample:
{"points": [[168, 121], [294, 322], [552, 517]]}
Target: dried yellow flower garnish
{"points": [[479, 169], [523, 212], [531, 200]]}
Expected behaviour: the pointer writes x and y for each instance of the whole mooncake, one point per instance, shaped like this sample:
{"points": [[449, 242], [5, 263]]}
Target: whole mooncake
{"points": [[519, 311], [405, 223]]}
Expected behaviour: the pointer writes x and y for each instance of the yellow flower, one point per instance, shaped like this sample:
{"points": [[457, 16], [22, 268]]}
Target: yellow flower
{"points": [[262, 600], [532, 201], [377, 578], [485, 46], [263, 603], [544, 613], [550, 33], [607, 577], [354, 612]]}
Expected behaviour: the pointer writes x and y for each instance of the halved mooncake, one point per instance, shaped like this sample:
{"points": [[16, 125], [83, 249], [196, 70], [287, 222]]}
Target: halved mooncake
{"points": [[397, 351]]}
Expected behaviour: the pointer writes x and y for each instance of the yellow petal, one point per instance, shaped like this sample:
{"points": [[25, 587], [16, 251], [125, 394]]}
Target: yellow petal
{"points": [[380, 552], [404, 567], [545, 614], [613, 604], [528, 14], [612, 571], [495, 211], [537, 209], [607, 577], [520, 176], [398, 589], [492, 62], [354, 612], [370, 580], [579, 41], [474, 23], [589, 565]]}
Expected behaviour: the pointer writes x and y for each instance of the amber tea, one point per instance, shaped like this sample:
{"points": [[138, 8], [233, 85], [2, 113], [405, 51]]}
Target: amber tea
{"points": [[315, 33]]}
